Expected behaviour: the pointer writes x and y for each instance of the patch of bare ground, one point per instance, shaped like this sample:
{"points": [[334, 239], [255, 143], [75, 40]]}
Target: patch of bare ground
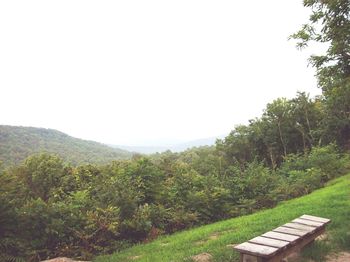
{"points": [[134, 257], [228, 231], [200, 242], [62, 259], [293, 257], [322, 237], [203, 257], [296, 257], [336, 257], [214, 236], [231, 245], [340, 257]]}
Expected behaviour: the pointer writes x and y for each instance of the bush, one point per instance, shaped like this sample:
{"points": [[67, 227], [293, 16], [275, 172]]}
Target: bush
{"points": [[303, 182], [256, 183], [327, 159]]}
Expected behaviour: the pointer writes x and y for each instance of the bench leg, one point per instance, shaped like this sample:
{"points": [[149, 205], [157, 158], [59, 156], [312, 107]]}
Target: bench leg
{"points": [[249, 258], [297, 247]]}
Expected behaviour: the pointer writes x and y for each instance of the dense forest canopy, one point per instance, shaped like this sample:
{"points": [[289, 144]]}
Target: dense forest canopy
{"points": [[50, 208]]}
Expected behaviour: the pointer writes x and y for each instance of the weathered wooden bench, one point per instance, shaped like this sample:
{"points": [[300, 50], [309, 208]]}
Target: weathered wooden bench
{"points": [[277, 244]]}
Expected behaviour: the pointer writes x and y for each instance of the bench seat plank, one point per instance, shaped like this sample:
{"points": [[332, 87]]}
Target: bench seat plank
{"points": [[281, 241], [281, 236], [254, 249], [317, 219], [269, 242], [308, 222], [301, 227], [290, 231]]}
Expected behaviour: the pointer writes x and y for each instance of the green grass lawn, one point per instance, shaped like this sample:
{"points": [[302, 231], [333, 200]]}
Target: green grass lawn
{"points": [[331, 202]]}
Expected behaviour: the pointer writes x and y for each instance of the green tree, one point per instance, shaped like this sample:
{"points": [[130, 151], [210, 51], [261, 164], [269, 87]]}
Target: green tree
{"points": [[329, 23], [147, 178], [41, 175], [237, 147], [278, 113], [307, 115]]}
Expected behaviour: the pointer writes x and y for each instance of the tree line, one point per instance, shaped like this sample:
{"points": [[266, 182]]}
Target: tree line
{"points": [[49, 208]]}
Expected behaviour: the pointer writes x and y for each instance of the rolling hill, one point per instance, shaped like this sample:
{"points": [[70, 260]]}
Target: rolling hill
{"points": [[17, 143]]}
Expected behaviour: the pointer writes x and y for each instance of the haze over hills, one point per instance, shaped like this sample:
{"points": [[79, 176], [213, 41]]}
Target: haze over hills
{"points": [[17, 143], [172, 147]]}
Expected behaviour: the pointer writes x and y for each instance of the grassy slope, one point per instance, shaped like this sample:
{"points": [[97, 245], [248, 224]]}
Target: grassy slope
{"points": [[332, 202], [17, 143]]}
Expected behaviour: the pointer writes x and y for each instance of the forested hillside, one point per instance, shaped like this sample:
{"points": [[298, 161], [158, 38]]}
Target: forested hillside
{"points": [[17, 143], [49, 208]]}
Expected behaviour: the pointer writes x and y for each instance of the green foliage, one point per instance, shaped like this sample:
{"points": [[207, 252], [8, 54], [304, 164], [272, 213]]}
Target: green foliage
{"points": [[41, 175], [217, 238], [287, 126], [8, 241], [49, 209], [329, 24], [336, 123], [53, 209], [327, 160], [147, 178], [17, 143], [253, 188]]}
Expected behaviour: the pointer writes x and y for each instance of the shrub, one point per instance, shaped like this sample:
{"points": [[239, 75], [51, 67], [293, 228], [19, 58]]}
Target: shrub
{"points": [[327, 159]]}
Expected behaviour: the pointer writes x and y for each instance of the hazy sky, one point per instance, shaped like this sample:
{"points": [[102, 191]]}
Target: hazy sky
{"points": [[147, 72]]}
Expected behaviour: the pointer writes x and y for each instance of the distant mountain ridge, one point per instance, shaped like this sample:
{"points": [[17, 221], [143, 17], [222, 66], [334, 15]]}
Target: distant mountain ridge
{"points": [[17, 143], [210, 141]]}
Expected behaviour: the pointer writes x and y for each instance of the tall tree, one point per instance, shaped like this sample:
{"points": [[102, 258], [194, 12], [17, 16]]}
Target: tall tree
{"points": [[278, 113], [307, 115], [329, 23]]}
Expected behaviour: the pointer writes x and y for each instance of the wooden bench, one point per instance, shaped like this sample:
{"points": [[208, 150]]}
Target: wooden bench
{"points": [[277, 244]]}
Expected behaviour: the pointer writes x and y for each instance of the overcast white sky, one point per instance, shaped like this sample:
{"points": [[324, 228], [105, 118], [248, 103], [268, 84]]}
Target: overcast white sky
{"points": [[147, 72]]}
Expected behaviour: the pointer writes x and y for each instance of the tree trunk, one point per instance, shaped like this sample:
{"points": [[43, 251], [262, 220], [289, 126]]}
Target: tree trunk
{"points": [[281, 138], [273, 161]]}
